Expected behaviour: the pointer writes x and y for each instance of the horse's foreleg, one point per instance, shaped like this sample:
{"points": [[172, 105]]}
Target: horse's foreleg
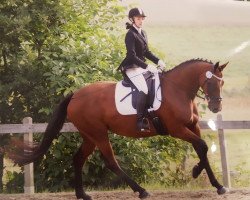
{"points": [[201, 148], [200, 166], [197, 169], [79, 158], [111, 163]]}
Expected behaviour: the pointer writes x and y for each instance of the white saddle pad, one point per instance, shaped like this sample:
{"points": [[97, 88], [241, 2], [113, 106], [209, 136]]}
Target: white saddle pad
{"points": [[125, 107]]}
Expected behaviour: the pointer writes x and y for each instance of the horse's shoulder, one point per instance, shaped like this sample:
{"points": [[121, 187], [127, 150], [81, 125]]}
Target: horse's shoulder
{"points": [[184, 111]]}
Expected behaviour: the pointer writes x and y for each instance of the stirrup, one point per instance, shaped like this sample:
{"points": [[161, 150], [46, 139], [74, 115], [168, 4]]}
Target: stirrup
{"points": [[143, 125]]}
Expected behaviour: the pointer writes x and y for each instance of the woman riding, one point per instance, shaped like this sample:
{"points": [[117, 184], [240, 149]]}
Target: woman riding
{"points": [[134, 65]]}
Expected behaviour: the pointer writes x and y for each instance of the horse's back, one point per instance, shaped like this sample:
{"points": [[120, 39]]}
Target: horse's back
{"points": [[91, 89], [90, 101]]}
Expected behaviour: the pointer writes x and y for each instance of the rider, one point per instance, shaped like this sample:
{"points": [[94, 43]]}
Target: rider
{"points": [[134, 66]]}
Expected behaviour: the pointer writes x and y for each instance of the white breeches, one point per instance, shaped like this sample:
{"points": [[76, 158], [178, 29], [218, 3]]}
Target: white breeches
{"points": [[136, 76]]}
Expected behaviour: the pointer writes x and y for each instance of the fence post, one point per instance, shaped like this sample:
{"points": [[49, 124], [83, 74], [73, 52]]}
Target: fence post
{"points": [[28, 169], [223, 153]]}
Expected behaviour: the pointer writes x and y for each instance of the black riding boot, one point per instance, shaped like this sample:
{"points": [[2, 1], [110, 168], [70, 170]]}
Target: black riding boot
{"points": [[142, 121]]}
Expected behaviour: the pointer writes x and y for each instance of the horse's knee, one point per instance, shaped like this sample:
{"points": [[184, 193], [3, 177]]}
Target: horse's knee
{"points": [[202, 147], [197, 169]]}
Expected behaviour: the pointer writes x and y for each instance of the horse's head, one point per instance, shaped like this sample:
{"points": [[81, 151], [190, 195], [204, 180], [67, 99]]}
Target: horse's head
{"points": [[211, 83]]}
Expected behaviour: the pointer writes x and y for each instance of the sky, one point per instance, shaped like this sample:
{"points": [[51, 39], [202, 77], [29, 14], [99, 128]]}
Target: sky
{"points": [[186, 12]]}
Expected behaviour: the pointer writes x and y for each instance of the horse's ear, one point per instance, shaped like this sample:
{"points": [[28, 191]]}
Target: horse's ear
{"points": [[222, 66], [216, 66]]}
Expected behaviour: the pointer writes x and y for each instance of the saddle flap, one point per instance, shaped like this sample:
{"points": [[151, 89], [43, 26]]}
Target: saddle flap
{"points": [[126, 97]]}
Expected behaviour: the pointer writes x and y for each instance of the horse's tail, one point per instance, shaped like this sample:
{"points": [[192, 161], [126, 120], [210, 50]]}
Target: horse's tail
{"points": [[23, 154]]}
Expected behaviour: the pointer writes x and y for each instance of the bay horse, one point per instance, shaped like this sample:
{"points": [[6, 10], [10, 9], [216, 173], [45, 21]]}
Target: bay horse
{"points": [[93, 112]]}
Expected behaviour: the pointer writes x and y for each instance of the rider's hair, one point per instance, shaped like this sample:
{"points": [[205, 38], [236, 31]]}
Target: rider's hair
{"points": [[128, 25]]}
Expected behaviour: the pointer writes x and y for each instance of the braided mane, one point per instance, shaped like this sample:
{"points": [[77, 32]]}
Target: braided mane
{"points": [[190, 61]]}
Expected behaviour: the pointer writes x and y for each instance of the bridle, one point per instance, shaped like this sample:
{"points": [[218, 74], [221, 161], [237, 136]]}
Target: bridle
{"points": [[209, 75]]}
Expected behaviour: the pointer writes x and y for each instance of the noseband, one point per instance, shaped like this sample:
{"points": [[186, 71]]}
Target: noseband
{"points": [[209, 98]]}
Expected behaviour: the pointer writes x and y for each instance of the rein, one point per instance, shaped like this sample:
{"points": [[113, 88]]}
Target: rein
{"points": [[199, 96]]}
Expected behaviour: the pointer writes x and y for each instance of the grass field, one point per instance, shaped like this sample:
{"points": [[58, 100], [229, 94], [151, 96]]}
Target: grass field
{"points": [[180, 43], [238, 153]]}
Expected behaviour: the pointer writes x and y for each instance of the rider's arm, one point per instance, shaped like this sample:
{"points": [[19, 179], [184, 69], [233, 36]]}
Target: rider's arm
{"points": [[148, 54]]}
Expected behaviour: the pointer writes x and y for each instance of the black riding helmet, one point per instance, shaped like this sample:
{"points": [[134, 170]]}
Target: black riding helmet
{"points": [[134, 12]]}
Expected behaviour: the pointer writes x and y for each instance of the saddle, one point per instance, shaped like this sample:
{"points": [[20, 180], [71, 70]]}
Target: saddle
{"points": [[150, 80]]}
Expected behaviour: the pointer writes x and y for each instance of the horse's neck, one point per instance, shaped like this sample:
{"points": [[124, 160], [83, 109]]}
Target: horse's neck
{"points": [[187, 78]]}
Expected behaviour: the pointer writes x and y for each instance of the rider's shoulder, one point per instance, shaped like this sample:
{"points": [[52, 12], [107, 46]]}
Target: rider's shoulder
{"points": [[131, 33]]}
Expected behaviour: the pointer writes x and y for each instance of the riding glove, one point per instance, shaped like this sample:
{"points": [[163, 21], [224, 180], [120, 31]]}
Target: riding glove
{"points": [[161, 65], [152, 69]]}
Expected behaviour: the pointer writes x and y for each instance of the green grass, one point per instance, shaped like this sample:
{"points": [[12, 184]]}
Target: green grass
{"points": [[238, 148], [180, 43], [238, 154]]}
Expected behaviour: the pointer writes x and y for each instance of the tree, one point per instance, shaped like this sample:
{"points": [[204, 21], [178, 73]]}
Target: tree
{"points": [[24, 27]]}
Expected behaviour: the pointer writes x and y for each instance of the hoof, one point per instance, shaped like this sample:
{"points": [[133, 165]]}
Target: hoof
{"points": [[222, 190], [144, 195], [85, 197], [196, 171]]}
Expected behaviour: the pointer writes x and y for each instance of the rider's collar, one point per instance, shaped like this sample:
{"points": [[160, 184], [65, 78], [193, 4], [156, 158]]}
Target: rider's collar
{"points": [[138, 29]]}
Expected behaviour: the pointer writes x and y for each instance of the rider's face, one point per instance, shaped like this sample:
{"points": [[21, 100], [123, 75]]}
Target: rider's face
{"points": [[138, 20]]}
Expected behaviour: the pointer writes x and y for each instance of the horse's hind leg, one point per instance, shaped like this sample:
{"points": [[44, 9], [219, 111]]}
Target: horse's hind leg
{"points": [[111, 163], [80, 157]]}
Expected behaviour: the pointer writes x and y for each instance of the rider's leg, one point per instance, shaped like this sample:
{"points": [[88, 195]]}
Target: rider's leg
{"points": [[142, 121], [137, 78]]}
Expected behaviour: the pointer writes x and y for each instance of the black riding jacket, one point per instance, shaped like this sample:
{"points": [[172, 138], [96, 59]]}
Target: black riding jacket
{"points": [[137, 50]]}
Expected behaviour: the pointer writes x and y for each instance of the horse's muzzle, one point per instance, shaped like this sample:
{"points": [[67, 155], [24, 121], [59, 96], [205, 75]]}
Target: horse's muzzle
{"points": [[215, 110], [215, 107]]}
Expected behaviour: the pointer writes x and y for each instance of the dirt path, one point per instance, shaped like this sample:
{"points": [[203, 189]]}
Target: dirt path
{"points": [[128, 195]]}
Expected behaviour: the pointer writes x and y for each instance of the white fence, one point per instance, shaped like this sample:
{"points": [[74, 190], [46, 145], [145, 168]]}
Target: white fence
{"points": [[28, 128]]}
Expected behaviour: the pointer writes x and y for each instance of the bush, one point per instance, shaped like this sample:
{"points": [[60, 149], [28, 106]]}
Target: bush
{"points": [[15, 182]]}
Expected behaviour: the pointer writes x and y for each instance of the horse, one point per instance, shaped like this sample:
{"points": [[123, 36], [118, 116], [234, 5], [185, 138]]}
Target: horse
{"points": [[93, 112]]}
